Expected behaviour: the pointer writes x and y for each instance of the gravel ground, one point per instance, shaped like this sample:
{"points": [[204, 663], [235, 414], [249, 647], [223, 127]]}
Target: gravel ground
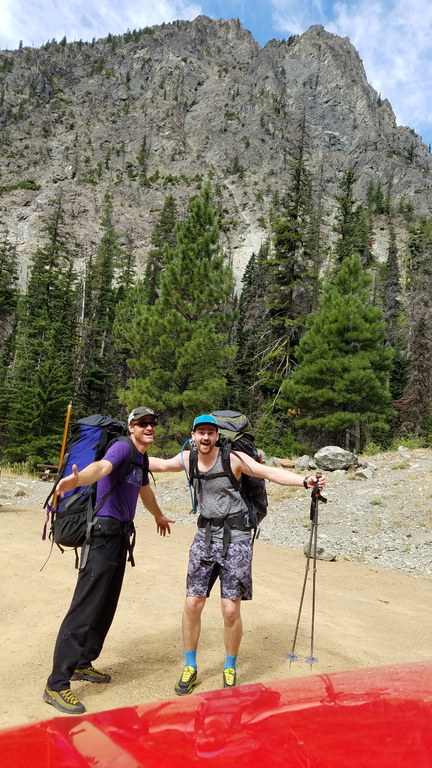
{"points": [[384, 521]]}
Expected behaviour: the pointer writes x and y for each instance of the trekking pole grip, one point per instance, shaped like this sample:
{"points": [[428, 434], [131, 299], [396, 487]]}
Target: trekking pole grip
{"points": [[316, 497]]}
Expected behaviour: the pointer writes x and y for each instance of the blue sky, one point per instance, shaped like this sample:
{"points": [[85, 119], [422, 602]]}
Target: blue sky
{"points": [[393, 37]]}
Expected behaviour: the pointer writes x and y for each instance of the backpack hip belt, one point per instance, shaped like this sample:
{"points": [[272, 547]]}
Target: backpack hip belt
{"points": [[111, 526], [231, 522]]}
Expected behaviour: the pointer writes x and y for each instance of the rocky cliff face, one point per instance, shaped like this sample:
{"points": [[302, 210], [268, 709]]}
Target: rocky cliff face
{"points": [[151, 113]]}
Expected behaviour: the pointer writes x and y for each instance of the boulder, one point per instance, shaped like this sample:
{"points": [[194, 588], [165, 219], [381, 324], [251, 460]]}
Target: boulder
{"points": [[304, 463], [366, 473], [273, 461], [333, 457], [287, 463], [322, 553]]}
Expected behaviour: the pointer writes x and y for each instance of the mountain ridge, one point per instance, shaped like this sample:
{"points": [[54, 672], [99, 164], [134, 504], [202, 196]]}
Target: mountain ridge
{"points": [[157, 111]]}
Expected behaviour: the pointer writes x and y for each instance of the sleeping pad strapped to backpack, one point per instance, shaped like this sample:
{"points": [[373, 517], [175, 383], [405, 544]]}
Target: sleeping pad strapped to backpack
{"points": [[72, 515], [235, 434]]}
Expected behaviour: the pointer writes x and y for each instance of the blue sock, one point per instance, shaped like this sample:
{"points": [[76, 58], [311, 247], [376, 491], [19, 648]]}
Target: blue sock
{"points": [[230, 662], [190, 658]]}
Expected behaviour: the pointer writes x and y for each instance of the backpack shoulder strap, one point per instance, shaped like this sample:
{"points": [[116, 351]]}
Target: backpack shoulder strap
{"points": [[128, 441], [193, 463], [133, 457], [225, 452]]}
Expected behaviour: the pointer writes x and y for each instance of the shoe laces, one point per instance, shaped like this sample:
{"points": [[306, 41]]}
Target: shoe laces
{"points": [[90, 668], [229, 676], [68, 696], [187, 674]]}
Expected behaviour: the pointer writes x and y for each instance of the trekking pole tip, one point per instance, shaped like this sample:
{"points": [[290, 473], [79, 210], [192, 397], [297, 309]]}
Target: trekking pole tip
{"points": [[291, 657], [311, 660]]}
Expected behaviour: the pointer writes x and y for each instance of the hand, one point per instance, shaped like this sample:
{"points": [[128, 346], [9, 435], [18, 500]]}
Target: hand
{"points": [[69, 482], [312, 479], [163, 525]]}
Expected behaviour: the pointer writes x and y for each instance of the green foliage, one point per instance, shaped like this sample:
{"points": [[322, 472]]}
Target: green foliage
{"points": [[275, 436], [415, 406], [8, 319], [6, 63], [8, 280], [340, 384], [98, 67], [372, 448], [143, 157], [392, 290], [251, 335], [288, 282], [352, 223], [101, 369], [378, 200], [410, 441], [42, 383], [179, 356], [24, 184], [163, 235], [20, 469]]}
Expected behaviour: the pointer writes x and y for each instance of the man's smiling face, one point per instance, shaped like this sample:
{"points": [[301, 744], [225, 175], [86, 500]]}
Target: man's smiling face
{"points": [[205, 437]]}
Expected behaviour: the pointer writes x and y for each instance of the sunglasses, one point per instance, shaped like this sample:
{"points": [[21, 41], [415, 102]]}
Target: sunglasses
{"points": [[145, 424]]}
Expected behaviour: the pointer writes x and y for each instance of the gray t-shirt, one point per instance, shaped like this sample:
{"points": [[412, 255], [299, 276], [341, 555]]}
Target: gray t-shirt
{"points": [[217, 498]]}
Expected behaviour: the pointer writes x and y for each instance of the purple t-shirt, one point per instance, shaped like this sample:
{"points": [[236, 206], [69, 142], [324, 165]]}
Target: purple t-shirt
{"points": [[121, 504]]}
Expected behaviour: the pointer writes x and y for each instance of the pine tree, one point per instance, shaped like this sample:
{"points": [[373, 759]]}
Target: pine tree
{"points": [[415, 407], [163, 235], [339, 388], [394, 317], [109, 276], [42, 379], [179, 355], [8, 318], [289, 293], [8, 284], [252, 335], [353, 223]]}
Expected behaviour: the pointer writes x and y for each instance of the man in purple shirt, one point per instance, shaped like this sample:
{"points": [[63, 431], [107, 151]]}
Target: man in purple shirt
{"points": [[86, 624]]}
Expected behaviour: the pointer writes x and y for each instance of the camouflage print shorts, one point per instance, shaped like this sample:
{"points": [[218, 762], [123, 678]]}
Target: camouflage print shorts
{"points": [[234, 570]]}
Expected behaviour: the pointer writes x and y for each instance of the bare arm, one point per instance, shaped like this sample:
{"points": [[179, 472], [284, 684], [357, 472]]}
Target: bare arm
{"points": [[150, 503], [87, 476], [174, 464], [244, 463]]}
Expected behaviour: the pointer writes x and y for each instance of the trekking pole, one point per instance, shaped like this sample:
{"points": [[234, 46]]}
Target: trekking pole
{"points": [[311, 554], [53, 491], [63, 446]]}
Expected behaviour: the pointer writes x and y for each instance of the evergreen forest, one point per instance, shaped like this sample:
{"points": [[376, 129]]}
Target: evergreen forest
{"points": [[322, 345]]}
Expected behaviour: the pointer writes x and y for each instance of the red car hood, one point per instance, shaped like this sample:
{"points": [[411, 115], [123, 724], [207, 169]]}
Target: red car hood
{"points": [[368, 718]]}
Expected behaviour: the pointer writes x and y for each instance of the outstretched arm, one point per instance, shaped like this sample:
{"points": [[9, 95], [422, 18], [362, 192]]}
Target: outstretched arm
{"points": [[174, 464], [87, 476], [150, 503], [244, 463]]}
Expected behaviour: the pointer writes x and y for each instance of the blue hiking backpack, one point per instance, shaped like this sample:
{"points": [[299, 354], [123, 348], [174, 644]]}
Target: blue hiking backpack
{"points": [[71, 517]]}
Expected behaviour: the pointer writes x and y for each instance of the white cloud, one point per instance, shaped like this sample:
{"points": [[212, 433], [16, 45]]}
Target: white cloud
{"points": [[393, 38], [35, 23], [394, 41], [292, 17]]}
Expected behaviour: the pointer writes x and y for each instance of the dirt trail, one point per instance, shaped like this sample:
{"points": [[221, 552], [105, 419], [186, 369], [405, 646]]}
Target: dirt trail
{"points": [[365, 616]]}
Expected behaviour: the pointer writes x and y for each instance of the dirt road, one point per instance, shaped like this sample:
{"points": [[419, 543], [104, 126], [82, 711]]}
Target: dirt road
{"points": [[365, 616]]}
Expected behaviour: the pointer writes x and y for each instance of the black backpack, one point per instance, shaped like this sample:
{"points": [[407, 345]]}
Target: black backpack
{"points": [[235, 434], [71, 516]]}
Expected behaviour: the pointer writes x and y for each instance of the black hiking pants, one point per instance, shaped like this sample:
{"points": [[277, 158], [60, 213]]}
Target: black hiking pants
{"points": [[86, 624]]}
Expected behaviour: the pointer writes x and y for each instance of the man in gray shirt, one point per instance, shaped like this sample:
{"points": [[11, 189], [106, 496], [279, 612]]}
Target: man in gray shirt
{"points": [[210, 556]]}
